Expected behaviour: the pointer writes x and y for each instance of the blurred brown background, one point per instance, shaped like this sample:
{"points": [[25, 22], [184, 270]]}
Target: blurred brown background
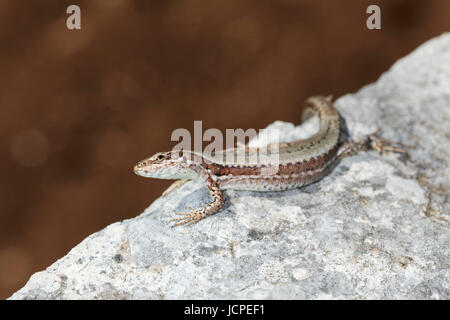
{"points": [[80, 108]]}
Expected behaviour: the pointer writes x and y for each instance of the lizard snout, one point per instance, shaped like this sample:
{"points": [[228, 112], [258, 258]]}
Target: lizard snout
{"points": [[139, 166]]}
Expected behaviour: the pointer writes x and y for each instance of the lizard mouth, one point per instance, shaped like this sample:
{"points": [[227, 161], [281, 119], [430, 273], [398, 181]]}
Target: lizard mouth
{"points": [[138, 168]]}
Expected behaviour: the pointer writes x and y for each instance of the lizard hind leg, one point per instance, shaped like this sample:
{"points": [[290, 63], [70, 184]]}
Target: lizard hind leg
{"points": [[370, 142], [382, 145]]}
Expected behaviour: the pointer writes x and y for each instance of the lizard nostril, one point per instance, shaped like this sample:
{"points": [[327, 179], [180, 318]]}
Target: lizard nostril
{"points": [[139, 165]]}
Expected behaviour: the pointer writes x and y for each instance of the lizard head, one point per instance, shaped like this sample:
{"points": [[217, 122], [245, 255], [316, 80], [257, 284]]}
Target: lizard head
{"points": [[166, 165]]}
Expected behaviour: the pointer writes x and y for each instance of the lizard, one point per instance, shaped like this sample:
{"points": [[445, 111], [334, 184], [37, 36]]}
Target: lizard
{"points": [[300, 162]]}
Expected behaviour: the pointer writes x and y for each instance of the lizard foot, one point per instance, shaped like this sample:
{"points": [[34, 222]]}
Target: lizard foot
{"points": [[188, 218], [371, 141], [382, 145]]}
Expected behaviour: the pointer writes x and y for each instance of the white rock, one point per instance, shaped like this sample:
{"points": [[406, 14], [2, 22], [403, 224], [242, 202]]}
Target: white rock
{"points": [[376, 228]]}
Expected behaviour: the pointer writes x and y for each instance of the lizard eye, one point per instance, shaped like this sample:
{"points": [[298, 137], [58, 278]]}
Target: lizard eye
{"points": [[160, 157]]}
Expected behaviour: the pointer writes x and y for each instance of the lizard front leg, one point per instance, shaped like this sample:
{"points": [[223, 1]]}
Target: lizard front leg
{"points": [[211, 208]]}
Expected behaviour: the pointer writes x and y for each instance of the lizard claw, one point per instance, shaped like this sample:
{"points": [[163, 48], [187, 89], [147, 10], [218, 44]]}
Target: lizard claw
{"points": [[188, 218]]}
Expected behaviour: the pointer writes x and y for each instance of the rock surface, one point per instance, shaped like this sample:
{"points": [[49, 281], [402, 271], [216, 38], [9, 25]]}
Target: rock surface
{"points": [[378, 227]]}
